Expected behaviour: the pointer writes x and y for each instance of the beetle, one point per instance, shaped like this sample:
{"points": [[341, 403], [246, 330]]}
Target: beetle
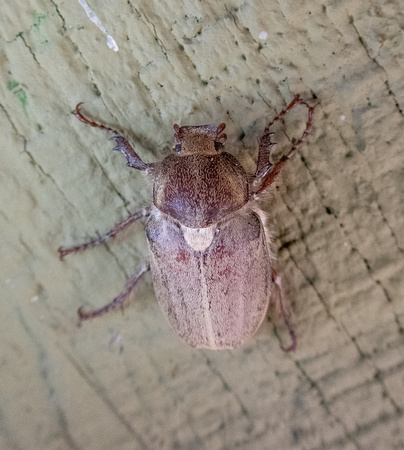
{"points": [[210, 255]]}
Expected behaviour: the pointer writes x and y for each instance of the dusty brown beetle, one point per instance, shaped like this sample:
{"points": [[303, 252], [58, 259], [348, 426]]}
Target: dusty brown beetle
{"points": [[210, 254]]}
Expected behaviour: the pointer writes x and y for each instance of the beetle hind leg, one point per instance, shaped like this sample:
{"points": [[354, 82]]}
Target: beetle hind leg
{"points": [[283, 308], [119, 301]]}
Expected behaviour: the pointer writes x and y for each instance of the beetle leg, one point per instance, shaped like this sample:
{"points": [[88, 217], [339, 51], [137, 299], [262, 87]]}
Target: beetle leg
{"points": [[282, 306], [132, 158], [120, 226], [119, 301], [266, 172]]}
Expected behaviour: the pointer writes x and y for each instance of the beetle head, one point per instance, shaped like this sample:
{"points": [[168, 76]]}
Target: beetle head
{"points": [[202, 140]]}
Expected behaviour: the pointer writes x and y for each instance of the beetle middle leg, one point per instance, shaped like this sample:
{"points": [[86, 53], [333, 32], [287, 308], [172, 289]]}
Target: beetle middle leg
{"points": [[266, 172], [119, 301], [282, 307], [120, 226]]}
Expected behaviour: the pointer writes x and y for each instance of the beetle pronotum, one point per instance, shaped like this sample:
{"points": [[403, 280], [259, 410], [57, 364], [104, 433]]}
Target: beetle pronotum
{"points": [[210, 254]]}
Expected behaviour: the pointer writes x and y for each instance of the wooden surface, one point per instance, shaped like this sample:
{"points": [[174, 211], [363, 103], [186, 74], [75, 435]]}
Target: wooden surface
{"points": [[126, 381]]}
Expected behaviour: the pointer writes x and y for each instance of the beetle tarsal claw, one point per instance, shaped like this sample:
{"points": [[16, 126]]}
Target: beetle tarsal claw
{"points": [[292, 346]]}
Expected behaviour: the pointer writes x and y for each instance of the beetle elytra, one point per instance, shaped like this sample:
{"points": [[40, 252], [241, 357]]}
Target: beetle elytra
{"points": [[210, 254]]}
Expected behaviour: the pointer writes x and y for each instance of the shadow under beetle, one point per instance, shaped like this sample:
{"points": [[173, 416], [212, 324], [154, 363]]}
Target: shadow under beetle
{"points": [[210, 255]]}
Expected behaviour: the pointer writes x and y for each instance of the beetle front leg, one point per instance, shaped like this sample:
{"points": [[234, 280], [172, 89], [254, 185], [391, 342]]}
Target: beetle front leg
{"points": [[282, 307], [119, 301], [120, 226], [266, 172], [123, 146]]}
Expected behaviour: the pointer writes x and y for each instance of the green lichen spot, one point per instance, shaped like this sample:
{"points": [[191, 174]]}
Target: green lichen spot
{"points": [[38, 19], [21, 96], [11, 84]]}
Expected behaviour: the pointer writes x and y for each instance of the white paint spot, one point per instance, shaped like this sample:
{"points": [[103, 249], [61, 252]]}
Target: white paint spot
{"points": [[91, 15], [111, 43], [263, 35], [342, 117], [34, 299], [115, 341], [116, 338]]}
